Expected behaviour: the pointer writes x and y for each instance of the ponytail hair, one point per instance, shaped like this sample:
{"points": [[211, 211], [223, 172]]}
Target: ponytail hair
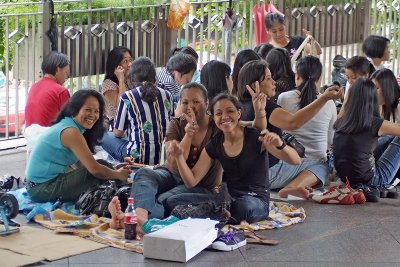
{"points": [[309, 68], [143, 74]]}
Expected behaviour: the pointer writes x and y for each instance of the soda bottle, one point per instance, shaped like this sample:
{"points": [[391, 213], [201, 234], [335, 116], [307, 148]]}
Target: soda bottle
{"points": [[130, 220]]}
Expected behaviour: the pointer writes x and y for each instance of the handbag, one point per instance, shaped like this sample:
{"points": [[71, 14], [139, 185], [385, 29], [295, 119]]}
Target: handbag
{"points": [[95, 200], [217, 208], [292, 141]]}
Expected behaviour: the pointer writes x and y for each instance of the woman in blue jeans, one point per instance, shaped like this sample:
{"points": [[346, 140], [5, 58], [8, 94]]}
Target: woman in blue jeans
{"points": [[356, 135], [242, 152]]}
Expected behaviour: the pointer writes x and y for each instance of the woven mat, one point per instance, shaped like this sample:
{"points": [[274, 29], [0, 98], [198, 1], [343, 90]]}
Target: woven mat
{"points": [[92, 227]]}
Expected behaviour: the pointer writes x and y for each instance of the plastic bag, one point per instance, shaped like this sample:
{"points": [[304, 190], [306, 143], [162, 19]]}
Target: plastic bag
{"points": [[177, 13]]}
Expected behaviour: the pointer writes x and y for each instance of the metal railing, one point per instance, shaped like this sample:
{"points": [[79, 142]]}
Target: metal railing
{"points": [[88, 34]]}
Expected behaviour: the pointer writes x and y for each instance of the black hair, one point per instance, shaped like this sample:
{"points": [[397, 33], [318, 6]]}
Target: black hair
{"points": [[114, 58], [390, 90], [213, 76], [263, 49], [279, 63], [72, 108], [250, 73], [272, 18], [189, 51], [361, 107], [242, 58], [195, 85], [174, 51], [223, 96], [309, 68], [374, 46], [142, 73], [53, 61], [182, 63], [359, 65]]}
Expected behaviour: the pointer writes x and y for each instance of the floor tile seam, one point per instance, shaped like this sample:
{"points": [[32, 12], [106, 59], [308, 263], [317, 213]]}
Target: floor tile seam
{"points": [[387, 230], [324, 235]]}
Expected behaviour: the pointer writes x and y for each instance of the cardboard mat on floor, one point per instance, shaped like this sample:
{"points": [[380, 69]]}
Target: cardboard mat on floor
{"points": [[36, 244]]}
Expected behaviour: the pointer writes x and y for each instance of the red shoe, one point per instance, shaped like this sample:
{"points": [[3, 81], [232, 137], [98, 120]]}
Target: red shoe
{"points": [[358, 194], [335, 195]]}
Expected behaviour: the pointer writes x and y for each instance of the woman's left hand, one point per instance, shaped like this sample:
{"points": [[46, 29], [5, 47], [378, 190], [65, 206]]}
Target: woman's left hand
{"points": [[258, 98], [270, 139]]}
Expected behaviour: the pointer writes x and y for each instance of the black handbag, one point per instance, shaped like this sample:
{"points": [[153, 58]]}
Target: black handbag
{"points": [[96, 199], [292, 141]]}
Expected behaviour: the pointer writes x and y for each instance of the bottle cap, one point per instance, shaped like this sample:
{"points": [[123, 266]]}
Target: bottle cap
{"points": [[131, 200]]}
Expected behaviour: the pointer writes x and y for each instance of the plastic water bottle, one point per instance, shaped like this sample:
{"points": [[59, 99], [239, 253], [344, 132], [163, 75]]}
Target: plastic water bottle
{"points": [[130, 220]]}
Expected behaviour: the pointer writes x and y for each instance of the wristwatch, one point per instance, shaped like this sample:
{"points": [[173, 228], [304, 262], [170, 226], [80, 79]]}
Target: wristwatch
{"points": [[282, 146]]}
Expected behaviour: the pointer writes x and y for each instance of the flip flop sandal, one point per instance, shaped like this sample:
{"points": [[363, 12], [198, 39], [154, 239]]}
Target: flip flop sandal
{"points": [[253, 238]]}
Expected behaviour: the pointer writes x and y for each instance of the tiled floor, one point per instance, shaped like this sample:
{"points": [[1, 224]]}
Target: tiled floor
{"points": [[358, 235]]}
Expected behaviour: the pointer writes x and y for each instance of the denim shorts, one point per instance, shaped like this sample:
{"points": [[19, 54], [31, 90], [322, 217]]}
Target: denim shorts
{"points": [[282, 173]]}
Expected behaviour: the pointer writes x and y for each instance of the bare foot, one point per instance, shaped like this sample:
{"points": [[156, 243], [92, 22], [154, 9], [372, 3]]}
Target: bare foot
{"points": [[117, 216], [303, 192], [143, 216]]}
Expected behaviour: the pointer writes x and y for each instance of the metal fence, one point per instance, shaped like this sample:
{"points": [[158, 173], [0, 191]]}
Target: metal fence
{"points": [[86, 35]]}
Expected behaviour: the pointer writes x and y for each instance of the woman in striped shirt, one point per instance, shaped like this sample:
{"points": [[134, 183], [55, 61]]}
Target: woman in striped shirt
{"points": [[143, 115]]}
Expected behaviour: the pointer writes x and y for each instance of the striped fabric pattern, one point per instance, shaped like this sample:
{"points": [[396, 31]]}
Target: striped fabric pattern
{"points": [[167, 82], [145, 124]]}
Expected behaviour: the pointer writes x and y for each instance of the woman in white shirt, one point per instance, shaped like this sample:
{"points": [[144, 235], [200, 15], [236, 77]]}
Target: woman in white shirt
{"points": [[317, 133]]}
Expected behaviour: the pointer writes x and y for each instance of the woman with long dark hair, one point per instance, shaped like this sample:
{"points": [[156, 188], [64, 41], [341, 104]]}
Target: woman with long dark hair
{"points": [[278, 60], [242, 58], [356, 134], [216, 77], [317, 134], [143, 114], [388, 94], [238, 149], [61, 165], [295, 180], [114, 85]]}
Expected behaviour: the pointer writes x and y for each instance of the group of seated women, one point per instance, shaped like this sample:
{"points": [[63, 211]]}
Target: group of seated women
{"points": [[227, 128]]}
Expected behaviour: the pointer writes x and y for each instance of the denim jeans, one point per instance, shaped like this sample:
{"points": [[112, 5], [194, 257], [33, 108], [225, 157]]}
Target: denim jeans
{"points": [[149, 185], [387, 164], [115, 146], [383, 143], [249, 208]]}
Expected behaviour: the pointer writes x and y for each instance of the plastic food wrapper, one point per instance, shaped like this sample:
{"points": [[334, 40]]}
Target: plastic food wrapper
{"points": [[177, 13]]}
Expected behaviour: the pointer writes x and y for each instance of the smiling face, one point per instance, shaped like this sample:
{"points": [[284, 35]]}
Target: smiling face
{"points": [[267, 86], [89, 113], [278, 33], [126, 62], [226, 115], [194, 99]]}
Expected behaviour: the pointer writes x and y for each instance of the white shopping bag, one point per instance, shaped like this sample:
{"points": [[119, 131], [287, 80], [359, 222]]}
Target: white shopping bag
{"points": [[180, 241]]}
